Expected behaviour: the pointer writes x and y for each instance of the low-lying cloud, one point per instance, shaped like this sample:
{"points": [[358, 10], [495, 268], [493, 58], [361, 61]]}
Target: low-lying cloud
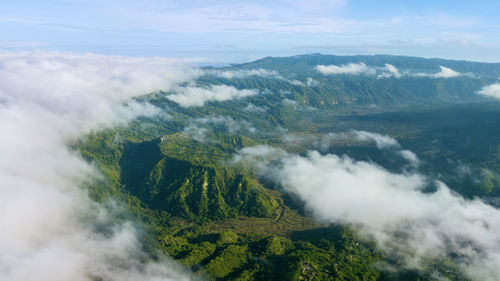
{"points": [[323, 142], [390, 71], [255, 156], [257, 72], [351, 68], [396, 210], [49, 225], [491, 91], [255, 108], [244, 73], [387, 71], [392, 209], [411, 157], [445, 72], [382, 141], [199, 128], [311, 82], [192, 96]]}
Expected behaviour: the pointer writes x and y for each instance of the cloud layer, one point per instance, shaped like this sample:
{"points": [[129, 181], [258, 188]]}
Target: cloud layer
{"points": [[192, 96], [445, 72], [199, 128], [243, 73], [323, 142], [351, 68], [390, 71], [256, 72], [49, 225], [491, 91], [391, 208], [387, 71]]}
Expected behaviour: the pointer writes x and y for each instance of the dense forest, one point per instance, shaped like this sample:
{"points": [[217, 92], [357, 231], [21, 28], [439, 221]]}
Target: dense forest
{"points": [[226, 220]]}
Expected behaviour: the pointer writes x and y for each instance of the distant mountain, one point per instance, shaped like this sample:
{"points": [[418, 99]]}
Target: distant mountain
{"points": [[418, 80], [306, 63]]}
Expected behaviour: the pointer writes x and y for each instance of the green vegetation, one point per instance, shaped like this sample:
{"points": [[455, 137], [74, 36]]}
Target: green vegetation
{"points": [[220, 221], [226, 223], [197, 189]]}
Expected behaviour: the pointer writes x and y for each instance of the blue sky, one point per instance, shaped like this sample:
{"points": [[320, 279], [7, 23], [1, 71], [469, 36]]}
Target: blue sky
{"points": [[225, 30]]}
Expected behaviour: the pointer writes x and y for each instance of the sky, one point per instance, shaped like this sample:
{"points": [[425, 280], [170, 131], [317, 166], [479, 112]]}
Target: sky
{"points": [[222, 31]]}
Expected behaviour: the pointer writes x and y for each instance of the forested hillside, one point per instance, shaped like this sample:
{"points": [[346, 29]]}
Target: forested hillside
{"points": [[226, 219]]}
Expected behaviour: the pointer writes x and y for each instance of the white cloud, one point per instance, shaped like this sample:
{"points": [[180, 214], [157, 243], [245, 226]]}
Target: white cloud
{"points": [[391, 71], [444, 73], [243, 73], [298, 140], [295, 82], [382, 141], [411, 157], [197, 96], [354, 136], [351, 68], [387, 71], [365, 183], [254, 156], [228, 122], [254, 108], [311, 82], [323, 142], [392, 209], [258, 72], [49, 225], [289, 102], [198, 128], [492, 90], [195, 132]]}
